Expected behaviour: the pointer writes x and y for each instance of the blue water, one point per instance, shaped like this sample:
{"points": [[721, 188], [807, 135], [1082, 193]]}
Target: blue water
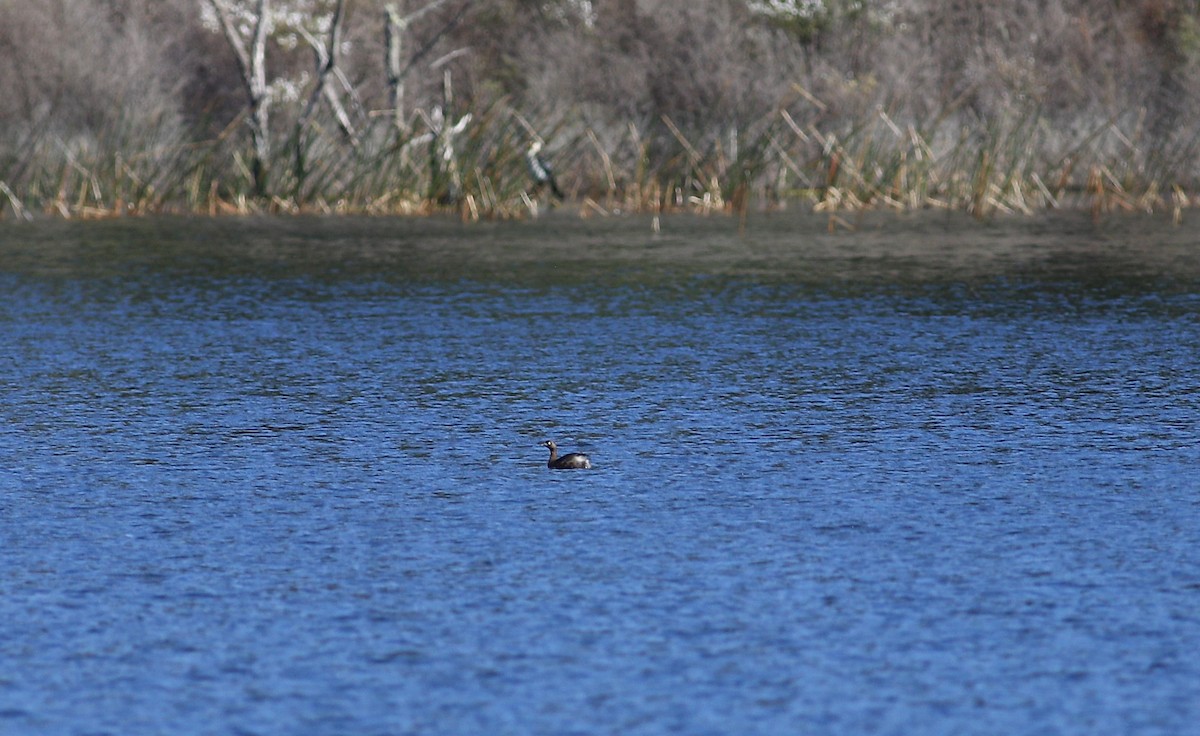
{"points": [[283, 477]]}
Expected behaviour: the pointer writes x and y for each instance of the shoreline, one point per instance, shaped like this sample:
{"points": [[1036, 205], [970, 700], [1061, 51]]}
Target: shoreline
{"points": [[839, 206]]}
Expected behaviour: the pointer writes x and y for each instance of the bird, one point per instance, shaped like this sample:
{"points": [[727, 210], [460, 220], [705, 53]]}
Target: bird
{"points": [[569, 461], [540, 170]]}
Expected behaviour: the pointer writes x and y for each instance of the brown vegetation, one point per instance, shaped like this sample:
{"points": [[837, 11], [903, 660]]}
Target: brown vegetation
{"points": [[382, 106]]}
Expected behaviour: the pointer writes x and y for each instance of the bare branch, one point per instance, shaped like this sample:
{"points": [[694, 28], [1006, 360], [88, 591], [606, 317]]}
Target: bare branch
{"points": [[326, 63], [258, 64], [235, 41], [253, 67], [447, 58], [395, 26], [327, 59]]}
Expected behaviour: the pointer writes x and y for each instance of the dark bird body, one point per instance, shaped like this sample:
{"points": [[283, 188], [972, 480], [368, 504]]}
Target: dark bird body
{"points": [[569, 461]]}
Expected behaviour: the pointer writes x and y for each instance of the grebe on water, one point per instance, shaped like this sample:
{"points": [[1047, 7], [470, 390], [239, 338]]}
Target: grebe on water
{"points": [[568, 461]]}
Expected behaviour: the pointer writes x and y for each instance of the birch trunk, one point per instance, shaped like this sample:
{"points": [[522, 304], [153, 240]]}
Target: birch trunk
{"points": [[253, 68]]}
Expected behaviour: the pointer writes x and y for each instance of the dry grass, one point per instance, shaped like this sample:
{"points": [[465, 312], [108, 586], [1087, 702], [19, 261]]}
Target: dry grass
{"points": [[651, 106], [1017, 165]]}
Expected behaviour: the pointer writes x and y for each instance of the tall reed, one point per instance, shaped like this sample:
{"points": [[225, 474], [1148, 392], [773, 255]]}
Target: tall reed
{"points": [[1021, 163]]}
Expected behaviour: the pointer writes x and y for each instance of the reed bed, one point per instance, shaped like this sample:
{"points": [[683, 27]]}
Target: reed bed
{"points": [[1020, 164]]}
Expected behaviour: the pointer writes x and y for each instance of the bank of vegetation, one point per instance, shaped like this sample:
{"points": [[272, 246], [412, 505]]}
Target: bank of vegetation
{"points": [[113, 107]]}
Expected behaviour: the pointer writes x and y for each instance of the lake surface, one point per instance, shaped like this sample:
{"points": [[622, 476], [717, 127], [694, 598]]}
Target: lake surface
{"points": [[283, 477]]}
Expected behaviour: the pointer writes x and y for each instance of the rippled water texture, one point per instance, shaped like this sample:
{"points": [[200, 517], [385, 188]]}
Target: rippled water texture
{"points": [[283, 477]]}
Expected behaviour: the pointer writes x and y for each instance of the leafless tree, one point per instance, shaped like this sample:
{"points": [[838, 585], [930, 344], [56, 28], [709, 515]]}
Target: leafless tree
{"points": [[142, 77], [252, 64], [396, 26]]}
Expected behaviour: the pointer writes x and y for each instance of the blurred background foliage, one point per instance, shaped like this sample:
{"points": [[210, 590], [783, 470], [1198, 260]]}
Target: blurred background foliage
{"points": [[129, 106]]}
